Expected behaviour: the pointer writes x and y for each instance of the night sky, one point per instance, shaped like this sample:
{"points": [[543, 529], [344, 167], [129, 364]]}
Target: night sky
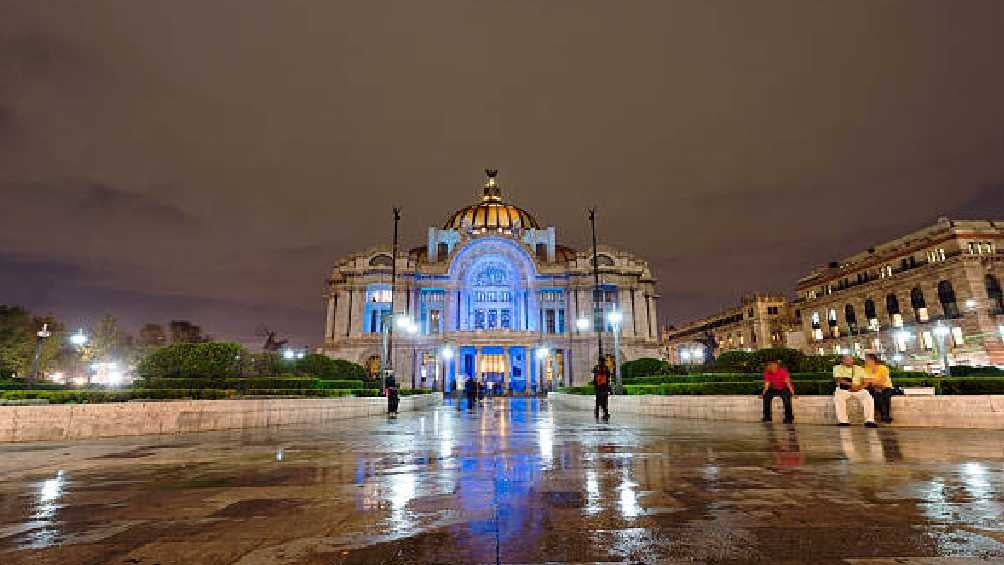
{"points": [[210, 160]]}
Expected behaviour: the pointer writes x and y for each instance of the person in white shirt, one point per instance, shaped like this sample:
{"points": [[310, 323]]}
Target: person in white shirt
{"points": [[851, 380]]}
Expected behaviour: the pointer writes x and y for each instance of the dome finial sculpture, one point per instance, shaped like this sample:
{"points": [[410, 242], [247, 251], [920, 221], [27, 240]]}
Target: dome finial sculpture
{"points": [[491, 214]]}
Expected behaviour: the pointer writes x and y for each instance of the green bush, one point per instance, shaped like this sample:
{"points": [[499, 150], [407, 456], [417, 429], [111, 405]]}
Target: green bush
{"points": [[325, 367], [339, 384], [966, 371], [735, 361], [210, 360], [644, 367]]}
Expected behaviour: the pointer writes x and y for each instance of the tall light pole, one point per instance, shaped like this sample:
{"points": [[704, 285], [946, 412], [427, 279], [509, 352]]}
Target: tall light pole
{"points": [[388, 368], [615, 318], [596, 288], [40, 338], [78, 341]]}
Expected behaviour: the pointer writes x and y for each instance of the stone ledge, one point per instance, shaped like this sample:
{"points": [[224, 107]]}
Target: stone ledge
{"points": [[89, 421], [977, 411]]}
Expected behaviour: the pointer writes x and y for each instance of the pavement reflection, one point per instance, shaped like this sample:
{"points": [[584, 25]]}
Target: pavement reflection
{"points": [[509, 481]]}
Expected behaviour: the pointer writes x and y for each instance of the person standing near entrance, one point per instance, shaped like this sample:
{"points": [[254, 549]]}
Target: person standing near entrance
{"points": [[777, 382], [851, 383], [601, 378], [390, 390]]}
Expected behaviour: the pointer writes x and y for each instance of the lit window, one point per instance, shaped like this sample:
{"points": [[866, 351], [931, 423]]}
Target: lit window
{"points": [[928, 340], [922, 315], [382, 295], [897, 320], [958, 337], [821, 351], [900, 338], [817, 334]]}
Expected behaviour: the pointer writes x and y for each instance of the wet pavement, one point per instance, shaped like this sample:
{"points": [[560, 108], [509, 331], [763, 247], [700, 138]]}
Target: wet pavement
{"points": [[513, 482]]}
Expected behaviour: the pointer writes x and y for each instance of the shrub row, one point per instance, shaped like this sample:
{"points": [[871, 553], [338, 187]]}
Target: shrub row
{"points": [[86, 396], [251, 383], [942, 385], [749, 377]]}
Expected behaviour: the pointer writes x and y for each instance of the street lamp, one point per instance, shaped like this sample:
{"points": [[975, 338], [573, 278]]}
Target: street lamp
{"points": [[615, 318], [941, 331], [40, 338]]}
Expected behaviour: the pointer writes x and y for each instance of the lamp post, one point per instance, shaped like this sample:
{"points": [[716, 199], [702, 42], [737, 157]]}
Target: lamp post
{"points": [[409, 327], [596, 286], [615, 318], [40, 338], [388, 369], [941, 331]]}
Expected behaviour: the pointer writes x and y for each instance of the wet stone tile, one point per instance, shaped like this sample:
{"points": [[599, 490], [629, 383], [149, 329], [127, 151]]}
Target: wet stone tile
{"points": [[512, 482]]}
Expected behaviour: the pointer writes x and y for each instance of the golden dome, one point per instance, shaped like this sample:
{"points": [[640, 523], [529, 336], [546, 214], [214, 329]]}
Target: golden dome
{"points": [[491, 214]]}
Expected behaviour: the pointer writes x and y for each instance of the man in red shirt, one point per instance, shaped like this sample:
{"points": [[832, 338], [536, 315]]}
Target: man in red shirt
{"points": [[777, 382]]}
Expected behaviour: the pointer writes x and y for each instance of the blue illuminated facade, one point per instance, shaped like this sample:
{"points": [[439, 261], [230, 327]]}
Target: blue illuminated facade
{"points": [[491, 297]]}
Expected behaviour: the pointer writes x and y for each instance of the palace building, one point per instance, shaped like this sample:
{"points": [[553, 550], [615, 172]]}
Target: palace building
{"points": [[924, 298], [760, 321], [494, 296]]}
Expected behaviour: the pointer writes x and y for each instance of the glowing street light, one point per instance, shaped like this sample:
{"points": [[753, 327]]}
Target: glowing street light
{"points": [[78, 339]]}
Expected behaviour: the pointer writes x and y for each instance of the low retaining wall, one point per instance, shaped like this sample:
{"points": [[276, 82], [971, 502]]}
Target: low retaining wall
{"points": [[88, 421], [978, 411]]}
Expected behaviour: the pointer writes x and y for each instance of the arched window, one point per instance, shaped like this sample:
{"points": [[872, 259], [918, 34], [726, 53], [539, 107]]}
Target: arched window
{"points": [[831, 316], [995, 294], [381, 260], [891, 304], [919, 304], [815, 321], [870, 309], [851, 317], [946, 295]]}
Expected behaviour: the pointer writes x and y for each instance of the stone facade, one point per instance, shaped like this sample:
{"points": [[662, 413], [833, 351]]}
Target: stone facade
{"points": [[493, 296], [760, 321], [933, 291]]}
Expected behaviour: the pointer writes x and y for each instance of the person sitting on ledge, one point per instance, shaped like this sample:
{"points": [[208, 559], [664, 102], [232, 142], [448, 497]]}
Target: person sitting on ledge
{"points": [[851, 383], [879, 384], [777, 382]]}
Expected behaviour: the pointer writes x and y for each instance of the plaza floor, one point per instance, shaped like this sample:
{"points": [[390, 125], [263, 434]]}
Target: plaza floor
{"points": [[511, 482]]}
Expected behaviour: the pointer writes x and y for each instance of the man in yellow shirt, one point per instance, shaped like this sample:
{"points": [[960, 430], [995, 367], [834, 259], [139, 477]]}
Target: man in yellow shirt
{"points": [[879, 384], [850, 380]]}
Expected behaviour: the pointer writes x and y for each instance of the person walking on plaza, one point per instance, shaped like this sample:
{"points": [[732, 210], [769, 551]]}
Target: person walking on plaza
{"points": [[390, 389], [777, 382], [601, 378], [879, 384], [850, 380], [471, 391]]}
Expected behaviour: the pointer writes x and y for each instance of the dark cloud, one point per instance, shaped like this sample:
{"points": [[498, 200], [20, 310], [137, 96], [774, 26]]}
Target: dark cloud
{"points": [[226, 154]]}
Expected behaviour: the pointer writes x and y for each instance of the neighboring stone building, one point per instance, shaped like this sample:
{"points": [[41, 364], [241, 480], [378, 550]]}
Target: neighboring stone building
{"points": [[898, 297], [760, 321], [491, 295]]}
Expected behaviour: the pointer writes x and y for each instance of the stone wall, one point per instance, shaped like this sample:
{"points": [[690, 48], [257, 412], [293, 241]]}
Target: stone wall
{"points": [[88, 421], [978, 411]]}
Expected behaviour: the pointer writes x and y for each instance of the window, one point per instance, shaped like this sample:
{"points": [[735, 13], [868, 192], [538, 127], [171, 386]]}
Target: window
{"points": [[550, 321], [946, 295], [870, 309], [434, 319], [817, 334], [981, 248], [376, 308], [851, 318], [831, 317], [958, 337], [815, 321], [604, 300], [885, 271], [479, 319], [919, 304], [442, 250], [935, 255], [506, 318], [994, 294], [928, 340], [900, 339], [891, 304], [772, 310], [381, 260]]}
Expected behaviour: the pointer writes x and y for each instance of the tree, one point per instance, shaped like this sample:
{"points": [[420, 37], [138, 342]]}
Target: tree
{"points": [[183, 331], [17, 341], [194, 360]]}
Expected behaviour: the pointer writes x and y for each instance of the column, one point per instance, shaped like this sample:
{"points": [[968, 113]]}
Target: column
{"points": [[329, 319], [507, 378], [477, 356], [341, 313]]}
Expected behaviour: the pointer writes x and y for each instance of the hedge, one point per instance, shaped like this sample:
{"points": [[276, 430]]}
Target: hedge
{"points": [[122, 395], [250, 383], [942, 385], [744, 377]]}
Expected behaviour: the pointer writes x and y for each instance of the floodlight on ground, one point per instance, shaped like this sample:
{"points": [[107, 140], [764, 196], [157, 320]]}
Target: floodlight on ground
{"points": [[582, 324], [78, 339]]}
